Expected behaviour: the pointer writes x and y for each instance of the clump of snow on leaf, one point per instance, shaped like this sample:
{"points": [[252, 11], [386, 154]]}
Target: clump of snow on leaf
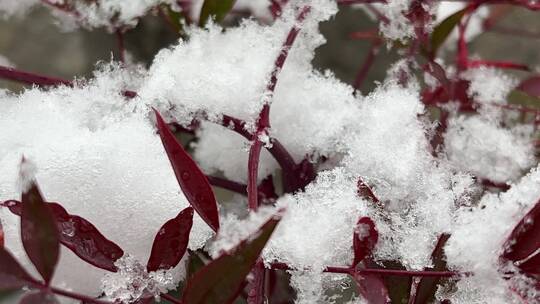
{"points": [[489, 85], [489, 151], [478, 238], [99, 156], [390, 151], [131, 281]]}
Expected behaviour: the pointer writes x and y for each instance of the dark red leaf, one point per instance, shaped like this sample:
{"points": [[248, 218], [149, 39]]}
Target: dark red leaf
{"points": [[39, 233], [192, 180], [365, 238], [531, 86], [524, 242], [12, 275], [38, 297], [81, 237], [372, 288], [427, 286], [364, 191], [171, 241], [1, 235], [222, 279]]}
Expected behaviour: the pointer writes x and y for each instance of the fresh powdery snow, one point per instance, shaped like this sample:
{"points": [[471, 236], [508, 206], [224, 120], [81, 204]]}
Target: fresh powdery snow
{"points": [[98, 154]]}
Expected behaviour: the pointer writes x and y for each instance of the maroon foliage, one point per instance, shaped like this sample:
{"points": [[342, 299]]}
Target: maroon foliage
{"points": [[171, 241], [192, 180]]}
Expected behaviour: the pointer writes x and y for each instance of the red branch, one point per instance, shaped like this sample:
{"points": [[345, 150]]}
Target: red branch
{"points": [[31, 78]]}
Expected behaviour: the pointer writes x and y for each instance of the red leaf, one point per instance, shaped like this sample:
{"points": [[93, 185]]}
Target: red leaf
{"points": [[222, 279], [12, 275], [1, 236], [531, 86], [365, 238], [364, 191], [171, 242], [372, 288], [524, 242], [38, 297], [427, 286], [192, 180], [81, 237], [39, 233]]}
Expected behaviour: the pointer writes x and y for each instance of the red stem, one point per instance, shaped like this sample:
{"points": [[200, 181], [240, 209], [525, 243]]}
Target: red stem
{"points": [[31, 78], [86, 299], [121, 46], [227, 184], [366, 66], [383, 272]]}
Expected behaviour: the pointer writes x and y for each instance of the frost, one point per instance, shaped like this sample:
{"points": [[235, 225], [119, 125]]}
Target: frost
{"points": [[489, 85], [131, 281], [477, 242], [480, 146]]}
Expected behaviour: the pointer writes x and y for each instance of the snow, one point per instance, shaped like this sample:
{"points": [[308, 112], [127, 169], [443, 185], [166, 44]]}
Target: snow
{"points": [[99, 156], [477, 242], [97, 153], [480, 146], [489, 85], [132, 281]]}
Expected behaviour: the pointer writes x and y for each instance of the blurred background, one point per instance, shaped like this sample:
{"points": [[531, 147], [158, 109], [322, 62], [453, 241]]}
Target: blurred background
{"points": [[35, 43]]}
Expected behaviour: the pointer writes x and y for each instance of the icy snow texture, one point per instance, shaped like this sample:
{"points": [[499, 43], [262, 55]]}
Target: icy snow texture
{"points": [[131, 281], [487, 150], [390, 151], [189, 79], [477, 241], [489, 85], [98, 155]]}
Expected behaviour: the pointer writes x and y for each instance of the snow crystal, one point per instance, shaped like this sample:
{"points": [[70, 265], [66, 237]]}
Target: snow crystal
{"points": [[246, 55], [477, 242], [99, 156], [131, 281], [234, 230], [480, 146], [489, 85]]}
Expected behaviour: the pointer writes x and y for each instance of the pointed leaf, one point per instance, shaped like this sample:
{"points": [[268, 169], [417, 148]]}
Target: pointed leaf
{"points": [[531, 86], [39, 233], [443, 29], [38, 297], [427, 286], [192, 180], [524, 242], [81, 237], [217, 8], [171, 242], [222, 279], [12, 275], [372, 288], [365, 238]]}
